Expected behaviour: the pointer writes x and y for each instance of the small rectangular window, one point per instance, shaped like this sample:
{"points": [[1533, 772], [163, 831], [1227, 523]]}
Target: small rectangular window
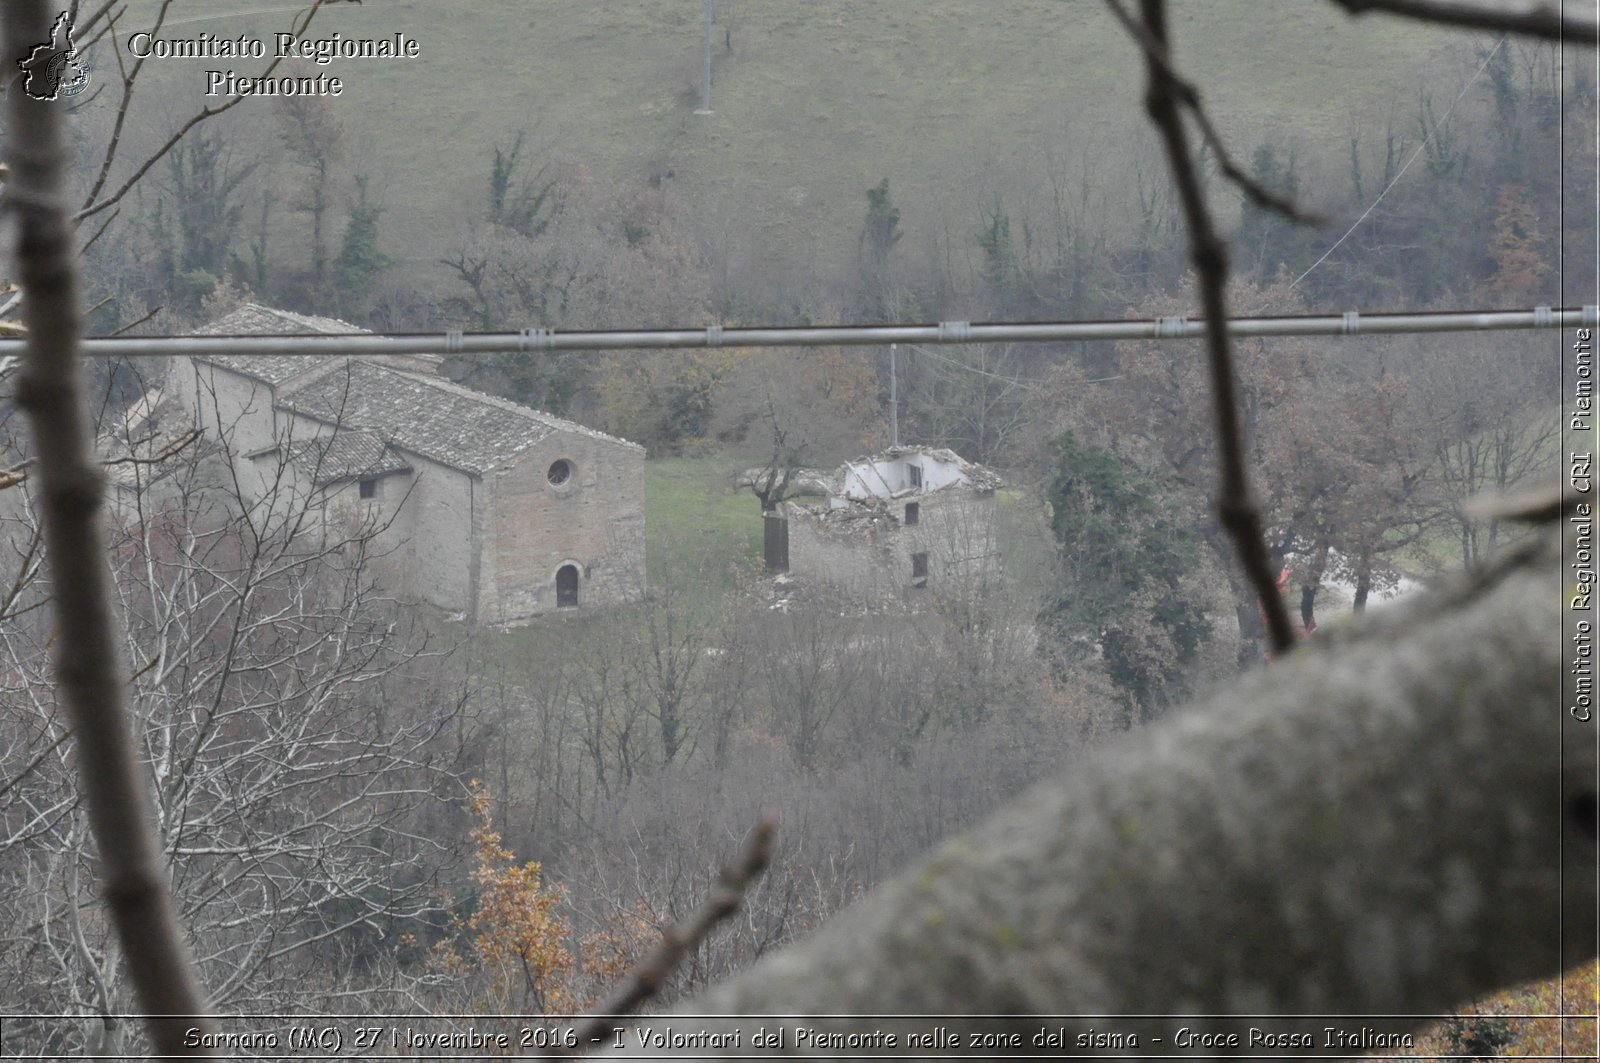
{"points": [[919, 566], [913, 512], [916, 475], [369, 488]]}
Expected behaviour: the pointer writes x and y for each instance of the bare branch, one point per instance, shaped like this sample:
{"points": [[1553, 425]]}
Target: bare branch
{"points": [[1187, 94], [677, 942], [129, 78], [1543, 21], [28, 768], [159, 456], [27, 567], [1236, 505], [1532, 506], [18, 474], [130, 326], [91, 207], [113, 216], [89, 665]]}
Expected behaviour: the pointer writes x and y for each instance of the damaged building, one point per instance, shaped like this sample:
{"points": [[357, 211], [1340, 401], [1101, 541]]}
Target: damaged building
{"points": [[896, 523]]}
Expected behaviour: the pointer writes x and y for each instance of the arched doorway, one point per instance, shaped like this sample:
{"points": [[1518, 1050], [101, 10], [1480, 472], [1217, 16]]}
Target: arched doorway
{"points": [[566, 586]]}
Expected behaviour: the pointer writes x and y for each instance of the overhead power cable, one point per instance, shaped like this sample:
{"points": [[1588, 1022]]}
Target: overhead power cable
{"points": [[945, 332], [1426, 139]]}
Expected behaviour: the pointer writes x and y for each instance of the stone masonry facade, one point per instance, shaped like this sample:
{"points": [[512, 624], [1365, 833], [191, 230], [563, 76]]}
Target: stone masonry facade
{"points": [[494, 512]]}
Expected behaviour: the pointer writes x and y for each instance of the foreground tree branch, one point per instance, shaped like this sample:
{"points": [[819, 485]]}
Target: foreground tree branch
{"points": [[1543, 21], [1370, 827], [677, 942], [1236, 505], [89, 667], [1189, 96]]}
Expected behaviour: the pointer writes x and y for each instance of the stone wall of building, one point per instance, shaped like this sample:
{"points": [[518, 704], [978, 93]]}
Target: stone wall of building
{"points": [[229, 406], [854, 554], [441, 518], [387, 517], [487, 547], [871, 550], [541, 516]]}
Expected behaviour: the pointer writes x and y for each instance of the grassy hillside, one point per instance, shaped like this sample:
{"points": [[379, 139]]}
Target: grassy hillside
{"points": [[814, 103]]}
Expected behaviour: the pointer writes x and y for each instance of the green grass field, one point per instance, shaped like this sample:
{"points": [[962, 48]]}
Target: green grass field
{"points": [[696, 523]]}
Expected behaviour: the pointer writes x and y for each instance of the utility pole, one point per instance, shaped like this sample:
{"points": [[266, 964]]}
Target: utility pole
{"points": [[705, 98], [894, 402]]}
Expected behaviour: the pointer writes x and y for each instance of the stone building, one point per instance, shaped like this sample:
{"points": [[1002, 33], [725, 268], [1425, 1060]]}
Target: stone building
{"points": [[488, 509], [898, 523]]}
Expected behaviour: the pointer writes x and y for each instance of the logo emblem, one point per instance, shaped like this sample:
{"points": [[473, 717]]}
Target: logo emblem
{"points": [[55, 69]]}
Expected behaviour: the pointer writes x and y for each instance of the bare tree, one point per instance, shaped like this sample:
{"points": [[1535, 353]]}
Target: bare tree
{"points": [[786, 413], [314, 136], [810, 661], [288, 769], [1485, 415], [973, 399], [1230, 864]]}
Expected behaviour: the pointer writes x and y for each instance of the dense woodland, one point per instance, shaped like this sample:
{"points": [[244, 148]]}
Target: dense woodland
{"points": [[368, 807]]}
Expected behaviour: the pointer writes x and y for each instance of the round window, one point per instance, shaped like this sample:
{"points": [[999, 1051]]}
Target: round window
{"points": [[560, 472]]}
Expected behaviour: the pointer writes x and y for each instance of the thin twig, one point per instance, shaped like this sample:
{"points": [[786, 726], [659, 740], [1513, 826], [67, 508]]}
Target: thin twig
{"points": [[90, 209], [113, 216], [677, 942], [34, 763], [129, 80], [87, 25], [160, 456], [1188, 95], [1543, 21], [96, 307], [136, 323], [1236, 504]]}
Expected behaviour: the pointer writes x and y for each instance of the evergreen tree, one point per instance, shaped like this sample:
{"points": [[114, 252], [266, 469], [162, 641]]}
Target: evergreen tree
{"points": [[523, 210], [882, 229], [1002, 270], [879, 234], [361, 261], [1124, 558]]}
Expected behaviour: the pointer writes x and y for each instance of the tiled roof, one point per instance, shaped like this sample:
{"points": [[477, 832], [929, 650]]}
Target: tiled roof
{"points": [[428, 416], [414, 409], [253, 320], [345, 456]]}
